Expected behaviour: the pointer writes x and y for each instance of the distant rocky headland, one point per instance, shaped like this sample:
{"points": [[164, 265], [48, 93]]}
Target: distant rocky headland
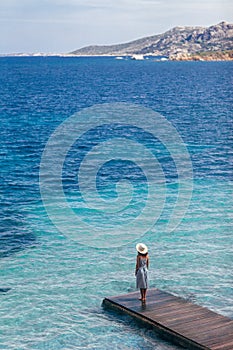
{"points": [[180, 43]]}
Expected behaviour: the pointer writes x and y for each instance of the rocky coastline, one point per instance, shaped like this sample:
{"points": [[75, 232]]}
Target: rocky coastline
{"points": [[204, 56]]}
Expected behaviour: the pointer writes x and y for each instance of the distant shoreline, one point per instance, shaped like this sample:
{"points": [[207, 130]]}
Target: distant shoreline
{"points": [[181, 57]]}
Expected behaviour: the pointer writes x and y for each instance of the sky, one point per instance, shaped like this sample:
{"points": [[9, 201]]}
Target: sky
{"points": [[61, 26]]}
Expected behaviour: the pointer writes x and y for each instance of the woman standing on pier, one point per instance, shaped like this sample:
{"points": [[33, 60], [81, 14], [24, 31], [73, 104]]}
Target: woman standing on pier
{"points": [[141, 271]]}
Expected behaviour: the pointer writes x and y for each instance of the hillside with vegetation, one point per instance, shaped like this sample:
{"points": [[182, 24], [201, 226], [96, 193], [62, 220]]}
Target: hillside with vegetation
{"points": [[175, 43]]}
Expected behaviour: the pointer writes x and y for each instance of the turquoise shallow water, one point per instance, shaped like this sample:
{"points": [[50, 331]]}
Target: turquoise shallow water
{"points": [[57, 284]]}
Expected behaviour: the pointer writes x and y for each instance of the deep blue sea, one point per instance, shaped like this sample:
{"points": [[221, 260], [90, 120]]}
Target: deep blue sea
{"points": [[97, 154]]}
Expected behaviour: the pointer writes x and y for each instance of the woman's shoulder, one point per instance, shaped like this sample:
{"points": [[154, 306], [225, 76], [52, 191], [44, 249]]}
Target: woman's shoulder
{"points": [[144, 256]]}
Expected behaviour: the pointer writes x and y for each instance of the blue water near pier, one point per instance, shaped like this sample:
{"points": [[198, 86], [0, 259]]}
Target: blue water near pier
{"points": [[52, 286]]}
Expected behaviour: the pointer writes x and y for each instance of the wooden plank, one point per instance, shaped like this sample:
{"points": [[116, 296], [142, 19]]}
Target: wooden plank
{"points": [[177, 320], [200, 316], [202, 327], [215, 336], [195, 315], [218, 338], [225, 346]]}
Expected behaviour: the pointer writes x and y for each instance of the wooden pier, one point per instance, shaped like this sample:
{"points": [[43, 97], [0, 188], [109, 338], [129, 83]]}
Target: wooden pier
{"points": [[177, 320]]}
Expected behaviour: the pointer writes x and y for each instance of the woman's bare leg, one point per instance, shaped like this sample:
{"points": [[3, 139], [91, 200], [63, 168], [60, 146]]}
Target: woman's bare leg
{"points": [[141, 291], [144, 294]]}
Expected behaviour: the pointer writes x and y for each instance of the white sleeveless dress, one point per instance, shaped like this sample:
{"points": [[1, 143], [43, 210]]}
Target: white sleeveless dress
{"points": [[142, 274]]}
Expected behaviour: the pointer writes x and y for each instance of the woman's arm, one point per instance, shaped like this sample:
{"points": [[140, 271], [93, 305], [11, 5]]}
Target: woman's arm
{"points": [[137, 265], [147, 261]]}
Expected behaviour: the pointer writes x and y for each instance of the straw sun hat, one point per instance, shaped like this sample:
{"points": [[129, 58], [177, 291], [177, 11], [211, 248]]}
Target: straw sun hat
{"points": [[141, 248]]}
